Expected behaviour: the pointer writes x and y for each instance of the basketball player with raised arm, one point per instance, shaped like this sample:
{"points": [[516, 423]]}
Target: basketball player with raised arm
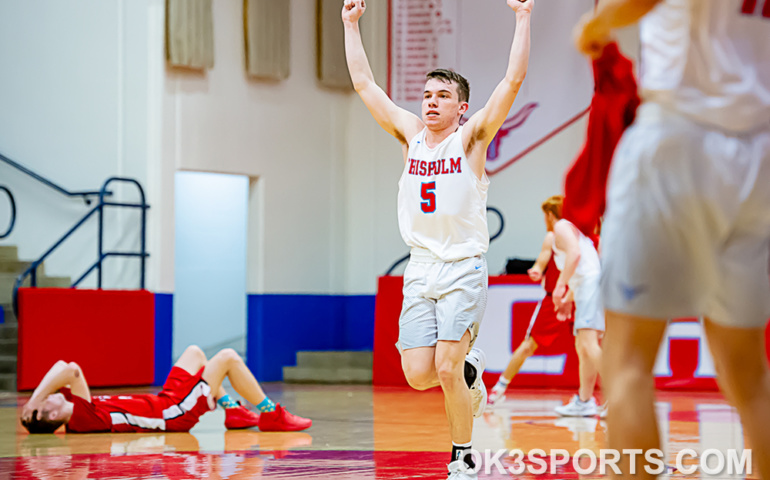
{"points": [[442, 217], [687, 225]]}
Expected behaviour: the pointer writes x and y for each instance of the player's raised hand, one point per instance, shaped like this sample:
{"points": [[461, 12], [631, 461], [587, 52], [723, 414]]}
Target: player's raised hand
{"points": [[521, 5], [352, 10], [591, 37]]}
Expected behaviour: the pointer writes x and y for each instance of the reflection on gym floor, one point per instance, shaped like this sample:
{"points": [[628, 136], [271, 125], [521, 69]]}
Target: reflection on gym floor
{"points": [[358, 433]]}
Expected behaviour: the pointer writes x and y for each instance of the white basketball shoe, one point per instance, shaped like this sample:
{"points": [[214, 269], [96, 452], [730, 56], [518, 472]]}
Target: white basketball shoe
{"points": [[578, 408], [458, 470], [478, 361]]}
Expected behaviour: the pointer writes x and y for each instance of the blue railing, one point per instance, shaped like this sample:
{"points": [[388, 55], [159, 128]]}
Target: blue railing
{"points": [[31, 272], [85, 195], [12, 222], [491, 239]]}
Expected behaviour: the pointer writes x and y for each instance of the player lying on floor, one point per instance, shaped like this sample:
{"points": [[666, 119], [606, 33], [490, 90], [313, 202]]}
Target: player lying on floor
{"points": [[63, 397]]}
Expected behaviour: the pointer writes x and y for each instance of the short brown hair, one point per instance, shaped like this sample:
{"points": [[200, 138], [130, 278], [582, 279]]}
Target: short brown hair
{"points": [[553, 205], [450, 76], [42, 425]]}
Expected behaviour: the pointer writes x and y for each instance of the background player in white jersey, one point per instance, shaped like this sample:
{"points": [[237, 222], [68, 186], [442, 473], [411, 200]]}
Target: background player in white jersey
{"points": [[575, 256], [687, 226], [442, 216]]}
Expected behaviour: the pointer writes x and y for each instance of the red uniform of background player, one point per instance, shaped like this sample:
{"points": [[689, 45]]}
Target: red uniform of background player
{"points": [[63, 397], [176, 408]]}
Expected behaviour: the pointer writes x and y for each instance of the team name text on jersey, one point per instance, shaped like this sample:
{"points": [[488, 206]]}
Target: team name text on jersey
{"points": [[438, 167]]}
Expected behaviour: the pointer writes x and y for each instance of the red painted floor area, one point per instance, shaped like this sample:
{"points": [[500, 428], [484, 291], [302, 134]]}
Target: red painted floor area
{"points": [[250, 465]]}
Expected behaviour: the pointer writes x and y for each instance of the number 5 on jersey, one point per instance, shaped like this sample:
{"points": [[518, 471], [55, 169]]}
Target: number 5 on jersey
{"points": [[428, 194]]}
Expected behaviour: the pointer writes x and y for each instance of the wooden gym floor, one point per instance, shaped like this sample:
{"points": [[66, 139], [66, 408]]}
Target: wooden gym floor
{"points": [[358, 433]]}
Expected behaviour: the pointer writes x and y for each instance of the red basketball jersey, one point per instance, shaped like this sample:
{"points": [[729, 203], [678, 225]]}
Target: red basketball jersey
{"points": [[183, 399], [116, 413]]}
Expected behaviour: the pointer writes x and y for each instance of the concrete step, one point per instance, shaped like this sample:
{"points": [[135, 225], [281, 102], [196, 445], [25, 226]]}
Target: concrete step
{"points": [[19, 266], [9, 347], [9, 252], [42, 281], [8, 316], [8, 364], [7, 382], [6, 294], [8, 280], [9, 331], [327, 375], [54, 282], [335, 360]]}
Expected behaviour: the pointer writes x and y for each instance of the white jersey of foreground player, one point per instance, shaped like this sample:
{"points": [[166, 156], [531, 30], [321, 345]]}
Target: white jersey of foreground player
{"points": [[687, 224], [719, 76]]}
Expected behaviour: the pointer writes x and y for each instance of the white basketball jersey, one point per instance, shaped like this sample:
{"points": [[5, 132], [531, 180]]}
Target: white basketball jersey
{"points": [[442, 205], [589, 258], [709, 60]]}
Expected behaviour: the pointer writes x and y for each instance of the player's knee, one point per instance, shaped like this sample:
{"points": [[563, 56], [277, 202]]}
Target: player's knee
{"points": [[448, 372], [629, 380], [419, 382], [230, 355], [581, 348], [584, 344], [195, 350], [418, 377], [528, 348]]}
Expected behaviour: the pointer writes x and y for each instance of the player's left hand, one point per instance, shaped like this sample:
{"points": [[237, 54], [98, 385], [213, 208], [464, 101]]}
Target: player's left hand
{"points": [[29, 408], [564, 312], [352, 10], [591, 37], [520, 6]]}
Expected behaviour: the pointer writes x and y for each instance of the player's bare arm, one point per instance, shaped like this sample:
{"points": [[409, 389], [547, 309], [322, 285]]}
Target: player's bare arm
{"points": [[395, 120], [536, 272], [566, 239], [595, 29], [78, 383], [61, 374], [484, 124]]}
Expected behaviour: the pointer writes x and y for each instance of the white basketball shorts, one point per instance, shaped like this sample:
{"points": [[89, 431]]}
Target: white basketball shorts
{"points": [[687, 226], [442, 300], [589, 308]]}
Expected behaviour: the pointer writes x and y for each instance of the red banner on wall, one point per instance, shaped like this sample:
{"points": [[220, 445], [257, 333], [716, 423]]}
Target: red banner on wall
{"points": [[110, 334], [684, 361]]}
